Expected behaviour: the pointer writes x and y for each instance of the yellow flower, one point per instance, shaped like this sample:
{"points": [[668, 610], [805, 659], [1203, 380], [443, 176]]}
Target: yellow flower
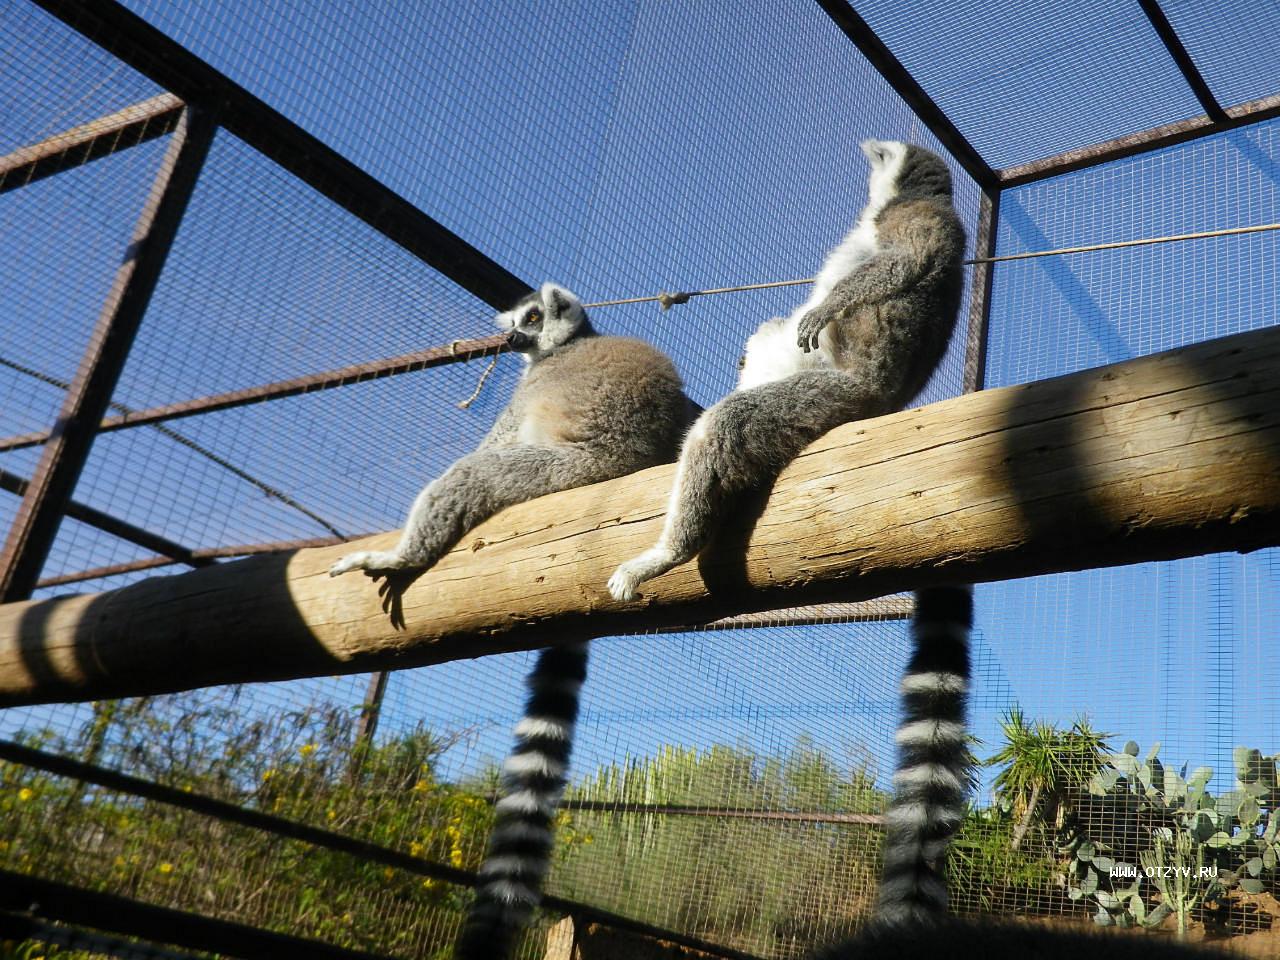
{"points": [[268, 775], [332, 814], [165, 868], [388, 874], [25, 794], [415, 849], [306, 750], [421, 786]]}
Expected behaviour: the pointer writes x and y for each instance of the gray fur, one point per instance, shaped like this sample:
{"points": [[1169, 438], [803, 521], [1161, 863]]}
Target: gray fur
{"points": [[901, 303], [589, 408], [869, 343]]}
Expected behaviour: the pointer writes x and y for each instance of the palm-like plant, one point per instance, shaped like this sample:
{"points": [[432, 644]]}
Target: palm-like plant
{"points": [[1044, 768]]}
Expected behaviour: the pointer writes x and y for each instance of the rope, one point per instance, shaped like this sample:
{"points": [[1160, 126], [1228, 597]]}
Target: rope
{"points": [[667, 300], [1145, 241], [463, 404]]}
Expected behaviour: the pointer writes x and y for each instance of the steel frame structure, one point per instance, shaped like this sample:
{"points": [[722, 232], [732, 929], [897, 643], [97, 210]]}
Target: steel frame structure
{"points": [[199, 101]]}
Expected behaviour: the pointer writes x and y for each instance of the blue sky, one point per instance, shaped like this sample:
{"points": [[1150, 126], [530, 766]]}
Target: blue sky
{"points": [[621, 149]]}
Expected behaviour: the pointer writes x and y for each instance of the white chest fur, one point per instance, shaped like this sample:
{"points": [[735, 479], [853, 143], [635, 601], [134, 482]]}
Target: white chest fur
{"points": [[773, 352]]}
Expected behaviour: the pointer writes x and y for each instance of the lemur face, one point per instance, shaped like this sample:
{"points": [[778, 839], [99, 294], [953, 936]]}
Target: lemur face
{"points": [[886, 158], [544, 320]]}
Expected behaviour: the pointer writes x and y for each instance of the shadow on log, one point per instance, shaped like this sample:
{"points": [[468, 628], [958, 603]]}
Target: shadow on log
{"points": [[1166, 456]]}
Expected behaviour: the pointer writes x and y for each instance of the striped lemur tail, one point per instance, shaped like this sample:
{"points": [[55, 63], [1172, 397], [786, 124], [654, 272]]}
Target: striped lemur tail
{"points": [[933, 773], [533, 779]]}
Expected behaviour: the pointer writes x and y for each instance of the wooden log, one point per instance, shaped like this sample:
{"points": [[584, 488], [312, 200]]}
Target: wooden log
{"points": [[1165, 456]]}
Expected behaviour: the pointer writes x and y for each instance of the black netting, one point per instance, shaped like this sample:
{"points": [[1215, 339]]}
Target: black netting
{"points": [[728, 784]]}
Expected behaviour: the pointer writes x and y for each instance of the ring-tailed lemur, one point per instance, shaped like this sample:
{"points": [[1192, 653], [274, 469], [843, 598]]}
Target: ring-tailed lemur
{"points": [[933, 775], [589, 408], [865, 342]]}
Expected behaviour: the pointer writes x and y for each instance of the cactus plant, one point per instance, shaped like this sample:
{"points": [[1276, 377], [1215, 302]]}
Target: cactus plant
{"points": [[1196, 847]]}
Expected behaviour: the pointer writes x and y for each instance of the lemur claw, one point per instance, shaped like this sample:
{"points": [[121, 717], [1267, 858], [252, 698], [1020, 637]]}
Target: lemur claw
{"points": [[809, 327]]}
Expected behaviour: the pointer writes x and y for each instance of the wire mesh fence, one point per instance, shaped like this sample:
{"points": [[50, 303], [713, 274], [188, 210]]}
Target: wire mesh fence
{"points": [[728, 785]]}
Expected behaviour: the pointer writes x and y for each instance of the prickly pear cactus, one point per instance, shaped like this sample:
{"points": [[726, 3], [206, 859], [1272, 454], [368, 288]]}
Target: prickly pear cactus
{"points": [[1165, 845]]}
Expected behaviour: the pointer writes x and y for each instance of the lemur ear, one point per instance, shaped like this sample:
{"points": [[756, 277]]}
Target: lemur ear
{"points": [[559, 302]]}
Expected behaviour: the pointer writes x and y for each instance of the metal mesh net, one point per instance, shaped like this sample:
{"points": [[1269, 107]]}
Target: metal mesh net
{"points": [[1169, 656], [728, 784]]}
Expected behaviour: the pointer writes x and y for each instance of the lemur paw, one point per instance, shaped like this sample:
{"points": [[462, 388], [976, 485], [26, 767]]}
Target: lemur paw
{"points": [[365, 560], [811, 324], [624, 582]]}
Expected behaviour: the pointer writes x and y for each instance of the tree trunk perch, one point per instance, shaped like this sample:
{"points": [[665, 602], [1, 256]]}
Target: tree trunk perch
{"points": [[1165, 456]]}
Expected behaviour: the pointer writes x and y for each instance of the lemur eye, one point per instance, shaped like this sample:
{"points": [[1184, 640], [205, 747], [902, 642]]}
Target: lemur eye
{"points": [[533, 318]]}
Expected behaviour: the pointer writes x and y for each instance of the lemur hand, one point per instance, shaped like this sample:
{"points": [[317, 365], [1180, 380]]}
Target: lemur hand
{"points": [[368, 560], [812, 324]]}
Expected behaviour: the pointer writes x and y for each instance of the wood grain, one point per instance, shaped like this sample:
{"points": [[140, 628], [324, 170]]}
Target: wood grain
{"points": [[1165, 456]]}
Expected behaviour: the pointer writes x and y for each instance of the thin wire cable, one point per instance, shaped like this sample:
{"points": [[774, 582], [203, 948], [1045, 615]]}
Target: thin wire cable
{"points": [[669, 299], [270, 491]]}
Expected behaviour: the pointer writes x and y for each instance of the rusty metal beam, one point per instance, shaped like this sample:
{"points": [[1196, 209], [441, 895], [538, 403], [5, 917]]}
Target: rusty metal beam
{"points": [[370, 714], [201, 557], [895, 74], [90, 141], [151, 52], [984, 247], [1144, 141], [719, 813], [1173, 43], [110, 570], [310, 383], [89, 516], [894, 607], [67, 448]]}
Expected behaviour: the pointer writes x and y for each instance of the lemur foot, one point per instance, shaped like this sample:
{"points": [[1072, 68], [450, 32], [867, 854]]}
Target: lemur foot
{"points": [[624, 583], [811, 324], [367, 560]]}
